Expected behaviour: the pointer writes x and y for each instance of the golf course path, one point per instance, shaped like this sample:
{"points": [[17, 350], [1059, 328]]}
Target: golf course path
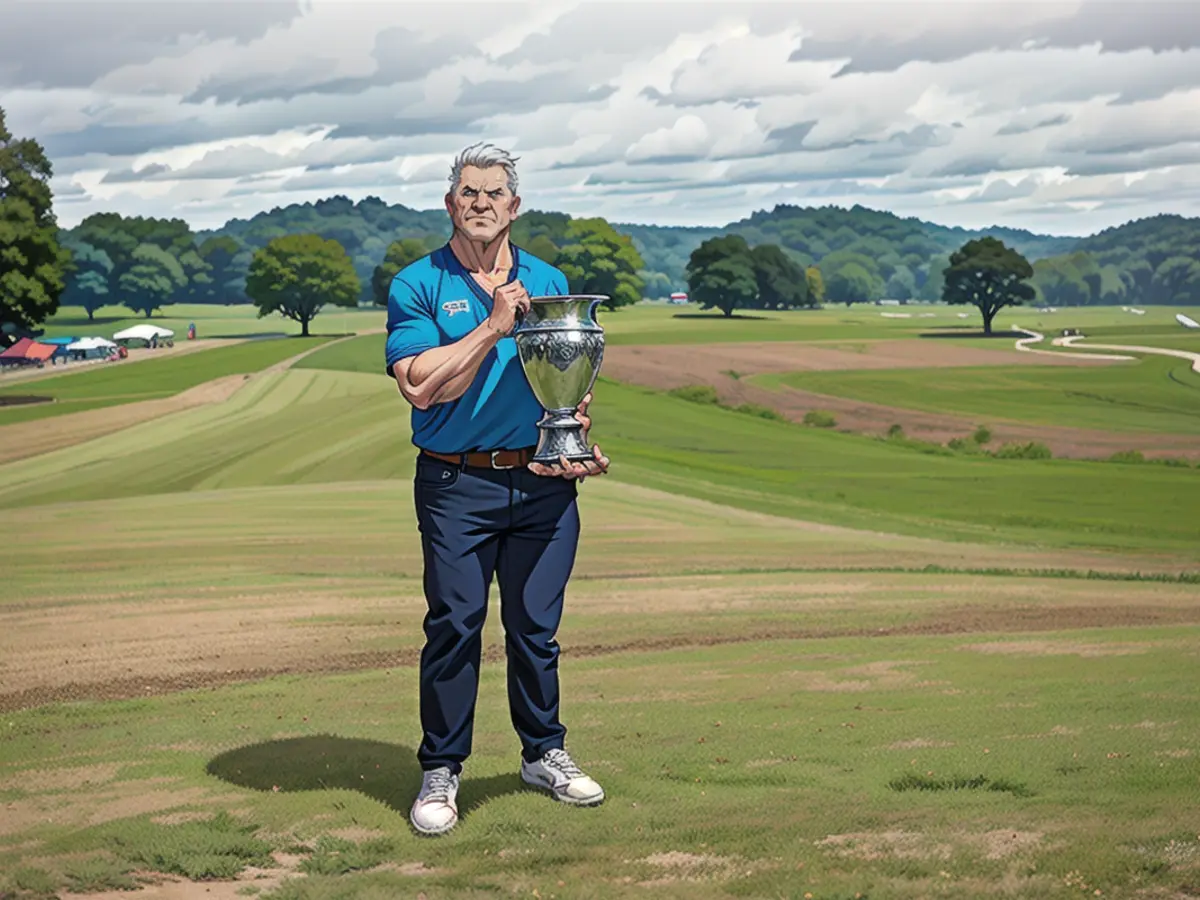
{"points": [[1024, 345], [24, 439], [1161, 351]]}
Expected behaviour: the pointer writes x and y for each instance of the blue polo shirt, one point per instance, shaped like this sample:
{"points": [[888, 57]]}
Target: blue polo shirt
{"points": [[434, 302]]}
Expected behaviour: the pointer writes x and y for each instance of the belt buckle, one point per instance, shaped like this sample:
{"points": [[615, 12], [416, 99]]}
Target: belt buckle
{"points": [[495, 465]]}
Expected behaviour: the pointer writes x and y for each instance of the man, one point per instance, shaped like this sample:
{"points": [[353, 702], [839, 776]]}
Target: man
{"points": [[483, 508]]}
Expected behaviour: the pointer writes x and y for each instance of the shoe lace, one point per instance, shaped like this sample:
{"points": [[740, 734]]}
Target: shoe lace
{"points": [[439, 783], [562, 761]]}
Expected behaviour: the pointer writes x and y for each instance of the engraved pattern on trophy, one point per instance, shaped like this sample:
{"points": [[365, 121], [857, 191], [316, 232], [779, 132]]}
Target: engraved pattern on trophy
{"points": [[561, 348]]}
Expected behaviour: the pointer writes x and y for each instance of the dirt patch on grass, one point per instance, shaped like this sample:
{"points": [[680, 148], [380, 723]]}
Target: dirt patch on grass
{"points": [[1058, 648], [106, 651], [876, 845], [681, 866], [919, 744], [664, 361], [124, 800], [671, 366], [872, 845], [68, 778], [875, 676], [1003, 843]]}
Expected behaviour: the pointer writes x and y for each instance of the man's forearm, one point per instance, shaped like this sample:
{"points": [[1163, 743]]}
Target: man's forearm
{"points": [[444, 373]]}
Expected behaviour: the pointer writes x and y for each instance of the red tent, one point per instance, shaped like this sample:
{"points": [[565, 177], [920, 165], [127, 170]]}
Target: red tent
{"points": [[40, 351], [17, 350]]}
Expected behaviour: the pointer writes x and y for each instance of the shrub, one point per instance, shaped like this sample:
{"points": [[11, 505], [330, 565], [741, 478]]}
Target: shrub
{"points": [[896, 431], [819, 419], [733, 373], [696, 393], [1031, 450], [1127, 456], [964, 445], [982, 435], [763, 412], [1173, 461]]}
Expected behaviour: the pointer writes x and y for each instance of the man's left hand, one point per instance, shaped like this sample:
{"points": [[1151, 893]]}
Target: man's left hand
{"points": [[580, 469]]}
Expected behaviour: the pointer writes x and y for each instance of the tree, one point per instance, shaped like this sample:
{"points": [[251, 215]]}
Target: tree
{"points": [[816, 285], [851, 277], [33, 263], [399, 255], [598, 260], [781, 282], [87, 278], [1177, 281], [934, 278], [852, 282], [222, 284], [720, 273], [989, 276], [902, 285], [297, 274], [543, 248], [154, 275]]}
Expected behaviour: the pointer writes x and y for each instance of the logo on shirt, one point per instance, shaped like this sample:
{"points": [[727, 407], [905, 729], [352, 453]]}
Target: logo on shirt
{"points": [[455, 306]]}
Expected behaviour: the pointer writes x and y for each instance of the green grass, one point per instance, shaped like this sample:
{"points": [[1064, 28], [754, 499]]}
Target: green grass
{"points": [[364, 353], [890, 767], [113, 384], [316, 427], [1156, 394]]}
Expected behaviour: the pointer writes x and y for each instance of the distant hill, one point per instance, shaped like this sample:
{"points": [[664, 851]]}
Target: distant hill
{"points": [[1153, 260], [365, 229], [901, 251]]}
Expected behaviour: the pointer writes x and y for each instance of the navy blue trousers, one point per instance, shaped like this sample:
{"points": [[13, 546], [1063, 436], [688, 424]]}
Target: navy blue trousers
{"points": [[523, 529]]}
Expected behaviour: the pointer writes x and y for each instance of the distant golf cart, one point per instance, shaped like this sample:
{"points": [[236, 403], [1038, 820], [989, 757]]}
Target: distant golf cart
{"points": [[152, 336]]}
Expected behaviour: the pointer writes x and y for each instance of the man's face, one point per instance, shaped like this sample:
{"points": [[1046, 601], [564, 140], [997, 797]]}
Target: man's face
{"points": [[482, 206]]}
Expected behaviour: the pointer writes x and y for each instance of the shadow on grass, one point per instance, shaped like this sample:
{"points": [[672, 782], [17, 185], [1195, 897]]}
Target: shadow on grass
{"points": [[719, 316], [385, 772], [972, 334], [74, 321]]}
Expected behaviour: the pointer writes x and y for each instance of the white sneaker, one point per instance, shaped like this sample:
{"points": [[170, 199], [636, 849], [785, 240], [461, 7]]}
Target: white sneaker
{"points": [[557, 773], [435, 810]]}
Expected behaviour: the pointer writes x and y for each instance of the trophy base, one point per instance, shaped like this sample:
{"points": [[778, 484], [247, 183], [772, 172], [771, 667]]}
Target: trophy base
{"points": [[561, 434]]}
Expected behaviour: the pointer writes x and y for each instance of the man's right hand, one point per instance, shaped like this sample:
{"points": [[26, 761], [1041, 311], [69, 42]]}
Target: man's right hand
{"points": [[508, 302]]}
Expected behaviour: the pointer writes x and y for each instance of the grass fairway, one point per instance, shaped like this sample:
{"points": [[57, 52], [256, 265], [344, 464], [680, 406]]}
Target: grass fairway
{"points": [[1156, 394], [305, 427], [111, 385]]}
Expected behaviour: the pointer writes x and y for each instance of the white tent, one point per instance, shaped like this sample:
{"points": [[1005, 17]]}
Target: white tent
{"points": [[1186, 321], [91, 343], [91, 347], [144, 333]]}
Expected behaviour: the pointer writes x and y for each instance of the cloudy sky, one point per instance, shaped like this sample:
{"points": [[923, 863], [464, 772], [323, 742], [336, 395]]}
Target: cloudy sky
{"points": [[1060, 117]]}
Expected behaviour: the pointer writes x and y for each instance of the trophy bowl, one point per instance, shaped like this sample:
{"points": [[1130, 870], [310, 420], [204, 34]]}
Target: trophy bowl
{"points": [[561, 347]]}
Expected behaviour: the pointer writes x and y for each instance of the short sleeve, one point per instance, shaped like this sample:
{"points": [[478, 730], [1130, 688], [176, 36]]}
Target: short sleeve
{"points": [[410, 326]]}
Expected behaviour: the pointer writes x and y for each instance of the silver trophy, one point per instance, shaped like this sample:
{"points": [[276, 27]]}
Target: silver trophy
{"points": [[561, 346]]}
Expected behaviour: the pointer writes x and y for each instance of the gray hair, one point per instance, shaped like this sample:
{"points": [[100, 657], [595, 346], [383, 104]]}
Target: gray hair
{"points": [[484, 156]]}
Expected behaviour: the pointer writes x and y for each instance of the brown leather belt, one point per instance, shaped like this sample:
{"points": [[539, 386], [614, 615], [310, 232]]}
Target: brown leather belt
{"points": [[487, 459]]}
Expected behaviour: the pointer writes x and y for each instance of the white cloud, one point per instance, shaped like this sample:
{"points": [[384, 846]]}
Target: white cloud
{"points": [[1068, 116]]}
